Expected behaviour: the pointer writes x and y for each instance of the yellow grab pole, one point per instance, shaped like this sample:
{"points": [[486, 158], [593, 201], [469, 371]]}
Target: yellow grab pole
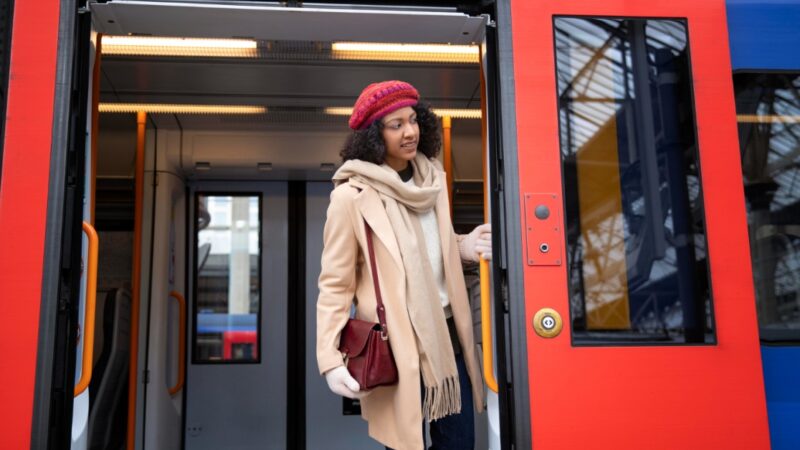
{"points": [[136, 278], [448, 159], [89, 311], [486, 328], [486, 307], [181, 342]]}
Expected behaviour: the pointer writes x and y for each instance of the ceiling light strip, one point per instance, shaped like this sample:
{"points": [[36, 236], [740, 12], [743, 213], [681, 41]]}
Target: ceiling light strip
{"points": [[248, 48], [165, 46], [453, 113], [374, 51], [166, 108], [338, 110], [458, 113]]}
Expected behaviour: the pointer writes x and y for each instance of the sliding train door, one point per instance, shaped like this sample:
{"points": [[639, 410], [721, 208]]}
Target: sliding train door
{"points": [[236, 375], [331, 421], [641, 329]]}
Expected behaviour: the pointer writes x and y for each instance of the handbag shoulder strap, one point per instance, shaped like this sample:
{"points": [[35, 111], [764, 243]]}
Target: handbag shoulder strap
{"points": [[374, 271]]}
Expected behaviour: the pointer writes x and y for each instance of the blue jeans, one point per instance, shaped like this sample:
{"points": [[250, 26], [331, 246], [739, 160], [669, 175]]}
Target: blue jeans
{"points": [[457, 431]]}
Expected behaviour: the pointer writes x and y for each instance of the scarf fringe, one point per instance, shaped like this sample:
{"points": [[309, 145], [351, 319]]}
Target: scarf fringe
{"points": [[442, 400]]}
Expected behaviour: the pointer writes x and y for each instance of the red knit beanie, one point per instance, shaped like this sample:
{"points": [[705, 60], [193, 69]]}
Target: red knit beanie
{"points": [[379, 99]]}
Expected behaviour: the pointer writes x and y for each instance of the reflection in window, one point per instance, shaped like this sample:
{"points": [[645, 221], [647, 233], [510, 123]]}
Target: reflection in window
{"points": [[768, 112], [638, 269], [228, 300]]}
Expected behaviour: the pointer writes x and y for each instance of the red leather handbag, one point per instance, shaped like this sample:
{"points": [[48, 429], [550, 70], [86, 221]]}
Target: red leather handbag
{"points": [[365, 345]]}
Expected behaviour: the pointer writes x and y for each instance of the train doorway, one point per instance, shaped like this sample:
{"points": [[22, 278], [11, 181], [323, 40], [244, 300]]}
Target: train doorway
{"points": [[233, 199], [238, 358]]}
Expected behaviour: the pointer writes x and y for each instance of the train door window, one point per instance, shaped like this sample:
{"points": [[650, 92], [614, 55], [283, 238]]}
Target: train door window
{"points": [[768, 114], [228, 283], [636, 239]]}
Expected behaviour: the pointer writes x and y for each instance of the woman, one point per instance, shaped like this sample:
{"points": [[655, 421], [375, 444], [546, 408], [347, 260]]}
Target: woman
{"points": [[390, 178]]}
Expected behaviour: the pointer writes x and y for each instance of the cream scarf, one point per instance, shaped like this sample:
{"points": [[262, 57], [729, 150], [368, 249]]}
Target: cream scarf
{"points": [[403, 202]]}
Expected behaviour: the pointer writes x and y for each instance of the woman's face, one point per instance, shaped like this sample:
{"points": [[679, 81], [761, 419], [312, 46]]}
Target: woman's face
{"points": [[400, 136]]}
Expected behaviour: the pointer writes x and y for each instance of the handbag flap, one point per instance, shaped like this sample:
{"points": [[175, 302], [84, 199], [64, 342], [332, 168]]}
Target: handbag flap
{"points": [[355, 335]]}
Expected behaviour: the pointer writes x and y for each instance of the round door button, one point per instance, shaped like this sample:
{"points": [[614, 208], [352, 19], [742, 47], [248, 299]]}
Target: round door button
{"points": [[547, 323], [542, 212]]}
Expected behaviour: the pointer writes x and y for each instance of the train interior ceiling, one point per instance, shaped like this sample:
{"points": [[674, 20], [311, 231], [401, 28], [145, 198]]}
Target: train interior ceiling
{"points": [[231, 131]]}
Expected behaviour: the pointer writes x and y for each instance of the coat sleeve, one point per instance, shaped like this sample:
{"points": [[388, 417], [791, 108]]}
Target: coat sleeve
{"points": [[466, 261], [337, 278]]}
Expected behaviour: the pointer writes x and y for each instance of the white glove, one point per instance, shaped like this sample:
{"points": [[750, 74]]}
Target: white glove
{"points": [[477, 243], [341, 383]]}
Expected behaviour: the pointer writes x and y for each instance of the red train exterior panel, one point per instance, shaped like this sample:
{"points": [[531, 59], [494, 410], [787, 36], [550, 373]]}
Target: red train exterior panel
{"points": [[688, 397], [23, 207]]}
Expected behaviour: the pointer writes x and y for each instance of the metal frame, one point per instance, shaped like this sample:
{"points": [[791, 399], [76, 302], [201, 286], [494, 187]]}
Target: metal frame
{"points": [[508, 210], [51, 424]]}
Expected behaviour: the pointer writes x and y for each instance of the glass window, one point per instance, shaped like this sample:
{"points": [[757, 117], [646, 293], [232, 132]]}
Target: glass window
{"points": [[638, 269], [228, 281], [768, 113]]}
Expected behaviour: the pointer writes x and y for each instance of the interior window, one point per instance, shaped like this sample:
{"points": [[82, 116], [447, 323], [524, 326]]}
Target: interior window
{"points": [[228, 294], [638, 268], [768, 114]]}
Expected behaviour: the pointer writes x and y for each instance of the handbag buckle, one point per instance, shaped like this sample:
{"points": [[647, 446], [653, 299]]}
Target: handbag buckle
{"points": [[384, 334]]}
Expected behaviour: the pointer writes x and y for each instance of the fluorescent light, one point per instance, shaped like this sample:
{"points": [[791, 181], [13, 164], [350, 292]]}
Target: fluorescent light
{"points": [[166, 108], [767, 118], [441, 112], [458, 113], [164, 46], [248, 48], [339, 111], [375, 51]]}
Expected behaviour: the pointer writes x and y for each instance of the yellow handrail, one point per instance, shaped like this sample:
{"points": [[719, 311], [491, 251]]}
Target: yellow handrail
{"points": [[486, 307], [136, 278], [88, 321], [447, 156], [486, 328], [181, 343]]}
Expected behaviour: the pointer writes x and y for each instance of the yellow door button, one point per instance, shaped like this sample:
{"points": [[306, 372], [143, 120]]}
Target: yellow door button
{"points": [[547, 323]]}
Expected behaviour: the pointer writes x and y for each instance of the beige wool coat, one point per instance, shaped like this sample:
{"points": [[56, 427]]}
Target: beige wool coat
{"points": [[394, 412]]}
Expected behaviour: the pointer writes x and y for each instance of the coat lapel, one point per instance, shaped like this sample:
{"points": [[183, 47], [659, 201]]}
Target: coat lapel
{"points": [[371, 208]]}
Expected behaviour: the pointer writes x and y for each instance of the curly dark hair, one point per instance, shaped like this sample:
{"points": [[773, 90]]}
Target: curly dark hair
{"points": [[368, 145]]}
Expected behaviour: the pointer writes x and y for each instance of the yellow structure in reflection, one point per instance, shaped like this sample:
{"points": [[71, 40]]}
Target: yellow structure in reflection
{"points": [[605, 282]]}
